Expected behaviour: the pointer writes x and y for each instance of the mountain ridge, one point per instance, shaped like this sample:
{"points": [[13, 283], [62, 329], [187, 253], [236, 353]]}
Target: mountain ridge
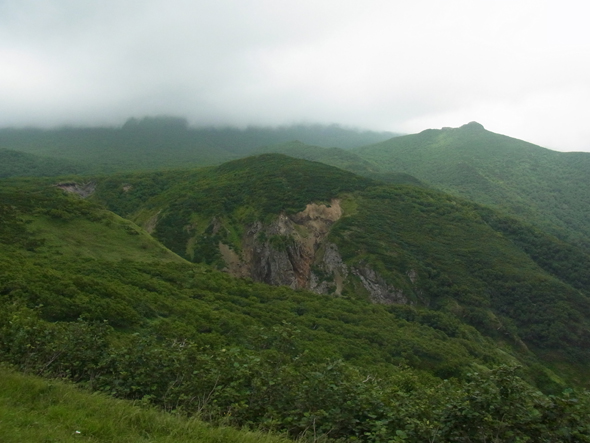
{"points": [[152, 143], [543, 186], [391, 306], [392, 244]]}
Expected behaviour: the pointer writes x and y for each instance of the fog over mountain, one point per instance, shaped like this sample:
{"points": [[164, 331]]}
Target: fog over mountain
{"points": [[520, 68]]}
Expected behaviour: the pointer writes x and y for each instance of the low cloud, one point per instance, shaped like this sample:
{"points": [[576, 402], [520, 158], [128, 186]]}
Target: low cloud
{"points": [[520, 68]]}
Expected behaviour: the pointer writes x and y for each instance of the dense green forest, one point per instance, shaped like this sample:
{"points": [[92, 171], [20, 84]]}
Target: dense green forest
{"points": [[465, 258], [193, 340], [443, 320]]}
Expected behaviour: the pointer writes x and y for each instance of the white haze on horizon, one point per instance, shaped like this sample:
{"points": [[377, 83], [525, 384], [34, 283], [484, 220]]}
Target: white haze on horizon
{"points": [[520, 67]]}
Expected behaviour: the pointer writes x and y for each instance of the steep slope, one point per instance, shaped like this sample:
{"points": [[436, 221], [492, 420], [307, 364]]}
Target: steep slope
{"points": [[545, 187], [194, 340], [60, 222], [309, 226], [66, 257]]}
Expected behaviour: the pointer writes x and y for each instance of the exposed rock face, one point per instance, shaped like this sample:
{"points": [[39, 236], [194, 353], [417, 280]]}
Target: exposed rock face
{"points": [[234, 264], [83, 190], [293, 251], [379, 289], [150, 225], [331, 265], [412, 275], [284, 252]]}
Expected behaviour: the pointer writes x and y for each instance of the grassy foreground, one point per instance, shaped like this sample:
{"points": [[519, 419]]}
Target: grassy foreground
{"points": [[37, 410]]}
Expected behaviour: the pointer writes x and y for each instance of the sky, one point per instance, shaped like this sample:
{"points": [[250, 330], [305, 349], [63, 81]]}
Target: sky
{"points": [[519, 67]]}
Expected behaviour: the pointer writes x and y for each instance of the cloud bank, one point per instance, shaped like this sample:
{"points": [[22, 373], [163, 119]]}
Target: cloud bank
{"points": [[521, 68]]}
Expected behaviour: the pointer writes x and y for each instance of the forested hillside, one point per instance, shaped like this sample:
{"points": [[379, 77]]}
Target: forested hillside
{"points": [[394, 313], [543, 187], [387, 243], [548, 188]]}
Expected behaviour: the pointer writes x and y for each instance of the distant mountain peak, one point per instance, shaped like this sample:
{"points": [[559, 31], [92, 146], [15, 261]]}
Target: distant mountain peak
{"points": [[472, 125]]}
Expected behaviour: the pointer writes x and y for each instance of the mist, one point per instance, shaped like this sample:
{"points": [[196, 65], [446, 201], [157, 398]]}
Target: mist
{"points": [[519, 68]]}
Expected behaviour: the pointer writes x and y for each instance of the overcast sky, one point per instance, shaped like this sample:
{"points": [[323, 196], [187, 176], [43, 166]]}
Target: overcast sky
{"points": [[519, 67]]}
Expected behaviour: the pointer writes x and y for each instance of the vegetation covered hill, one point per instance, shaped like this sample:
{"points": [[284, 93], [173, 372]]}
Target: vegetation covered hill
{"points": [[340, 158], [35, 410], [65, 225], [548, 188], [390, 244], [463, 296], [21, 164], [161, 142]]}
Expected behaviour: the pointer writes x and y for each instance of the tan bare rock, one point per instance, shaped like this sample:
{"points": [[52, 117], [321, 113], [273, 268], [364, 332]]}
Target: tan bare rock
{"points": [[284, 252], [84, 190], [150, 224]]}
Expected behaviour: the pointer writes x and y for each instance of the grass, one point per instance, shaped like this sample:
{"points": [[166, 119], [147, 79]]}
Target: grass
{"points": [[38, 410], [114, 238]]}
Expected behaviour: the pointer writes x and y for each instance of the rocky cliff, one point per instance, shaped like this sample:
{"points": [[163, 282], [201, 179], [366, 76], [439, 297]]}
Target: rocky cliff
{"points": [[294, 251], [285, 251]]}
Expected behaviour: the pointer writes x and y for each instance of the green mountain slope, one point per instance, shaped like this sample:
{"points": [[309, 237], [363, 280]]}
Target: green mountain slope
{"points": [[109, 149], [542, 186], [59, 222], [339, 158], [35, 410], [193, 340], [141, 286], [19, 164], [307, 225], [162, 142]]}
